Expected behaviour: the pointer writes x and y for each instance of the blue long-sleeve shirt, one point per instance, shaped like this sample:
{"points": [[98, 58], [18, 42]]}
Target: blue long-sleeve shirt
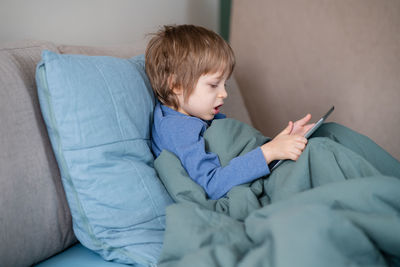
{"points": [[183, 135]]}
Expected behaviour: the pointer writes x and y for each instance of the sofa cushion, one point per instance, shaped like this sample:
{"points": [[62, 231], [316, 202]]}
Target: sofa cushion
{"points": [[35, 221], [98, 111], [78, 256]]}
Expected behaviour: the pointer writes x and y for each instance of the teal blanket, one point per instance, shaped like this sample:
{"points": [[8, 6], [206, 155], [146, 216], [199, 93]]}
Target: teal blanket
{"points": [[338, 205]]}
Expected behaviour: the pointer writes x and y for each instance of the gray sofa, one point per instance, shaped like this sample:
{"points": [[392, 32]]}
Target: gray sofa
{"points": [[35, 221]]}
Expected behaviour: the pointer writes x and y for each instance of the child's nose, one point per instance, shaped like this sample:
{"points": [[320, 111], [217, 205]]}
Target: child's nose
{"points": [[223, 93]]}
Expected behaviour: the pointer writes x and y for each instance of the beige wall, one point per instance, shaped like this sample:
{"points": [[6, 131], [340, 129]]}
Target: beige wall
{"points": [[99, 22], [295, 57]]}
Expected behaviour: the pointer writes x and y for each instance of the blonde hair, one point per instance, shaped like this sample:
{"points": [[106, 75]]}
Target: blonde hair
{"points": [[177, 56]]}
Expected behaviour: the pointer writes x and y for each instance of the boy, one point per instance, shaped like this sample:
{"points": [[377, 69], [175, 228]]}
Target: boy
{"points": [[188, 66]]}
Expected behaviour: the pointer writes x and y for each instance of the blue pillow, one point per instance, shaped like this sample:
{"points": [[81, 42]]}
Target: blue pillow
{"points": [[98, 112]]}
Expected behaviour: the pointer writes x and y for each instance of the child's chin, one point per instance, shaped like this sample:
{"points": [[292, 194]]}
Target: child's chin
{"points": [[208, 118]]}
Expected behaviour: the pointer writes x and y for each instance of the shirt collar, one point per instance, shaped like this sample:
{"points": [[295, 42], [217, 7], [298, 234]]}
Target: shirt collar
{"points": [[169, 111]]}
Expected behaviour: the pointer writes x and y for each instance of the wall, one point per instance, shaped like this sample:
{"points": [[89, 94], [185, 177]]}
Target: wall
{"points": [[295, 57], [99, 22]]}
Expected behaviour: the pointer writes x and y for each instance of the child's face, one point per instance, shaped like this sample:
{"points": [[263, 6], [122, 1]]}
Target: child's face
{"points": [[207, 97]]}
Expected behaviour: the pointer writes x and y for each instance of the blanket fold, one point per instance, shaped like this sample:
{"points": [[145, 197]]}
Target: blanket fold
{"points": [[337, 205]]}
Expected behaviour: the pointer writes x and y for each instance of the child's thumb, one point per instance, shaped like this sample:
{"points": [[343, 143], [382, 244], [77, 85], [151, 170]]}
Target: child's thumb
{"points": [[288, 129]]}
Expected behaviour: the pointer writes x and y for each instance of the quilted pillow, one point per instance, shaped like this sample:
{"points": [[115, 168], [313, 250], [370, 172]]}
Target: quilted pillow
{"points": [[98, 112]]}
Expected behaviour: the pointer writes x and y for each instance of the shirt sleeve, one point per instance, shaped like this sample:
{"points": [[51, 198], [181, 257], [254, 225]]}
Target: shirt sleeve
{"points": [[187, 143]]}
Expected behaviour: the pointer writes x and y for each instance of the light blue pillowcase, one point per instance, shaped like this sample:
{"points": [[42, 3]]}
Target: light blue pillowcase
{"points": [[98, 112]]}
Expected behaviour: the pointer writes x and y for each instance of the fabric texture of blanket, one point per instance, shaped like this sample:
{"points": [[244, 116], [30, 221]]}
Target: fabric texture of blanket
{"points": [[337, 205]]}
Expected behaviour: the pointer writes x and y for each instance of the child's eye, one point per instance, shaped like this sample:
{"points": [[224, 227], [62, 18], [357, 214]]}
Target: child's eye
{"points": [[214, 85]]}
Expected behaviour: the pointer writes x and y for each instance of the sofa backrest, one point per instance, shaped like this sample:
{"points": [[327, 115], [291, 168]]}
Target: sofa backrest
{"points": [[35, 221], [296, 57]]}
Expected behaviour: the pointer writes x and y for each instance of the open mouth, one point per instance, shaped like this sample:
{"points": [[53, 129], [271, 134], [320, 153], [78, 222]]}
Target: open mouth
{"points": [[216, 109]]}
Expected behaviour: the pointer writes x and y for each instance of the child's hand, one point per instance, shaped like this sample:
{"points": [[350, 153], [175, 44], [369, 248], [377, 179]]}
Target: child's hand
{"points": [[301, 127], [284, 146]]}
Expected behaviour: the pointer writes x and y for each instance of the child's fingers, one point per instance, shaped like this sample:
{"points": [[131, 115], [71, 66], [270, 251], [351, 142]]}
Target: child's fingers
{"points": [[307, 127], [294, 155], [301, 139], [296, 150], [288, 129], [304, 120], [301, 146]]}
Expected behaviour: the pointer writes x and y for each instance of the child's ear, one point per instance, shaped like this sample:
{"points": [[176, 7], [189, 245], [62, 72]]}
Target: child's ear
{"points": [[171, 83], [177, 90]]}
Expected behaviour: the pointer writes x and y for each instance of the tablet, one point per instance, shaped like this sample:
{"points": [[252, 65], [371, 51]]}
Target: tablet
{"points": [[273, 165]]}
